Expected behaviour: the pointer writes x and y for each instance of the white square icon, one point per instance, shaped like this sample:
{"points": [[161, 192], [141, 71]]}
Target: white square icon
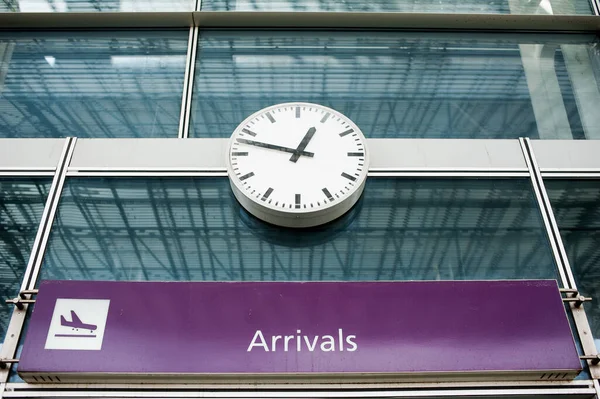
{"points": [[78, 324]]}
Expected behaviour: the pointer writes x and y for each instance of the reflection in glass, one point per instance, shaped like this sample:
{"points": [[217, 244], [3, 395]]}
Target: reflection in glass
{"points": [[404, 84], [433, 6], [96, 5], [21, 207], [91, 84], [193, 229], [576, 206]]}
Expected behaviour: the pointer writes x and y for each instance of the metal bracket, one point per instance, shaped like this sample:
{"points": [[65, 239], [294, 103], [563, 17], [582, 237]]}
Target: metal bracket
{"points": [[5, 362], [20, 300], [579, 300], [594, 359], [27, 292], [576, 297]]}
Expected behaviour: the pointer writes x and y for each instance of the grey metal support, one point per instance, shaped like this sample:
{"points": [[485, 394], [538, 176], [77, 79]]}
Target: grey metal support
{"points": [[45, 218], [595, 6], [17, 320], [539, 197], [302, 20], [190, 89], [184, 97], [62, 175], [555, 234], [577, 310], [64, 391]]}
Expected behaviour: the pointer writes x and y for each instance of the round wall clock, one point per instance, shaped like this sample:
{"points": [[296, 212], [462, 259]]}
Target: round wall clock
{"points": [[297, 164]]}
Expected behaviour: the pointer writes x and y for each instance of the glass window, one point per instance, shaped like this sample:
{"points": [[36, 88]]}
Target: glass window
{"points": [[91, 84], [433, 6], [22, 203], [576, 205], [96, 5], [391, 84], [169, 229]]}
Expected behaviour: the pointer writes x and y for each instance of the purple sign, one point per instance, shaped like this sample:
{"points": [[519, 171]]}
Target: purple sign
{"points": [[326, 331]]}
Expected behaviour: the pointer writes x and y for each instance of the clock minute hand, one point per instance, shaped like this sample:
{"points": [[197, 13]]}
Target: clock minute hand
{"points": [[274, 147], [305, 140]]}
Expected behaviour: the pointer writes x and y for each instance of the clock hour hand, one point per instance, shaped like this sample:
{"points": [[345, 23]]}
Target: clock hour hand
{"points": [[274, 147], [305, 140]]}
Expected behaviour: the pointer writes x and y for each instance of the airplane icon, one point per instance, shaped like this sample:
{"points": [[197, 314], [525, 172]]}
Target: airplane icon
{"points": [[76, 322]]}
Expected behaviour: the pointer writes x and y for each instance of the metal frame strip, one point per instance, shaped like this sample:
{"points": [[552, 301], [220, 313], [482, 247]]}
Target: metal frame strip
{"points": [[23, 173], [44, 222], [218, 172], [223, 173], [190, 90], [61, 174], [33, 170], [149, 174], [579, 315], [17, 319], [449, 174], [563, 384], [522, 171], [585, 337], [397, 20], [301, 20], [595, 6], [584, 392], [544, 214], [548, 209], [570, 175], [581, 171], [186, 82]]}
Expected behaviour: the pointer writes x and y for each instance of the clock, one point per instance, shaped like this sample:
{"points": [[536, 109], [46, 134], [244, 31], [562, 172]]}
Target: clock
{"points": [[297, 164]]}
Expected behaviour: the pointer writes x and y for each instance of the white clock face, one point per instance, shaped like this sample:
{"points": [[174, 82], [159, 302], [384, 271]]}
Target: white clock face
{"points": [[297, 164]]}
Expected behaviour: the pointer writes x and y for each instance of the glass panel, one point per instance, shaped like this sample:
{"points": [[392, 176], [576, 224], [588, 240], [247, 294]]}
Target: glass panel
{"points": [[576, 206], [433, 6], [96, 5], [194, 229], [21, 207], [91, 84], [404, 84]]}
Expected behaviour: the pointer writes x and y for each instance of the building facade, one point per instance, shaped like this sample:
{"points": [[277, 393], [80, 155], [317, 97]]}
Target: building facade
{"points": [[481, 119]]}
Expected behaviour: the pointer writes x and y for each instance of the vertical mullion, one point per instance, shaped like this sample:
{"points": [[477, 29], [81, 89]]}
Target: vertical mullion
{"points": [[188, 61], [595, 6], [44, 219], [46, 235], [192, 65], [548, 207], [578, 312], [17, 320], [542, 209]]}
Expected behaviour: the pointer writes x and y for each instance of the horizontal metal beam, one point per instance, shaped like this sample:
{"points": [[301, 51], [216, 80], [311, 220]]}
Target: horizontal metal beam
{"points": [[571, 156], [29, 156], [91, 20], [570, 175], [300, 20], [492, 393], [518, 385], [397, 20], [171, 157]]}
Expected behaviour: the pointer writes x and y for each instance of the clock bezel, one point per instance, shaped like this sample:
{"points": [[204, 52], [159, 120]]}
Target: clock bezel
{"points": [[297, 217]]}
